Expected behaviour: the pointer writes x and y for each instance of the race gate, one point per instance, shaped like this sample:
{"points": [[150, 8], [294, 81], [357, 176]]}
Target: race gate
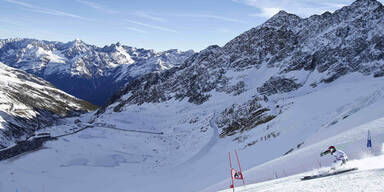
{"points": [[235, 174]]}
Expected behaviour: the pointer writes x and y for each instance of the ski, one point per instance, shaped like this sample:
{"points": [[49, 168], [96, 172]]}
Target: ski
{"points": [[327, 174]]}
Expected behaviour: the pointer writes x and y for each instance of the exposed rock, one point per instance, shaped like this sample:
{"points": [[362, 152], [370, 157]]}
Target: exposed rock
{"points": [[278, 85]]}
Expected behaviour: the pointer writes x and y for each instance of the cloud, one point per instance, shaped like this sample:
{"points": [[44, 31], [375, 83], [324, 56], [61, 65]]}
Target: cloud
{"points": [[209, 16], [149, 16], [266, 12], [56, 13], [102, 8], [43, 10], [97, 6], [137, 30], [153, 26], [303, 8]]}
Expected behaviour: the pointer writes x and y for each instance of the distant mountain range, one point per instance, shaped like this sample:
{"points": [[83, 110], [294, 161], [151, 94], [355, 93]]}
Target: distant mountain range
{"points": [[86, 71]]}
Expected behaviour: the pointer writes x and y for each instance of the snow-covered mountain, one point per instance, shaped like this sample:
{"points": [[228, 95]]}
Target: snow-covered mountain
{"points": [[278, 93], [287, 56], [285, 84], [28, 103], [86, 71]]}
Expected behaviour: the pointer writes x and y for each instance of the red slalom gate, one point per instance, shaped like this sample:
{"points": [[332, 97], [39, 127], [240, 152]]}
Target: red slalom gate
{"points": [[235, 175]]}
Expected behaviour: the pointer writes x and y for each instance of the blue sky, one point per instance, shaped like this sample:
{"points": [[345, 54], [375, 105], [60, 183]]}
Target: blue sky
{"points": [[155, 24]]}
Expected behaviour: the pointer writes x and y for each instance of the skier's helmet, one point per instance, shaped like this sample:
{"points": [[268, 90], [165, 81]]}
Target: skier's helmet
{"points": [[331, 149]]}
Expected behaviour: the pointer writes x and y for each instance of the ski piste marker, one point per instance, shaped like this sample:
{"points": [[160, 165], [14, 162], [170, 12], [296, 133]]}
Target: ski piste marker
{"points": [[235, 175], [369, 140]]}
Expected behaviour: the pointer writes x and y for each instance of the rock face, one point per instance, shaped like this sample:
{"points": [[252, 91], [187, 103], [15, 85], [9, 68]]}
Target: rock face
{"points": [[243, 117], [28, 103], [285, 54], [278, 85], [81, 69]]}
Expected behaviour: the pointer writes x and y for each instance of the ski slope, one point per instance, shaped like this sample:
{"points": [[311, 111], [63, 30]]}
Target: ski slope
{"points": [[204, 151], [307, 160], [371, 180]]}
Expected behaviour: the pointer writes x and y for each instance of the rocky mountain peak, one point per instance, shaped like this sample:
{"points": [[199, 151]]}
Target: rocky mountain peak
{"points": [[77, 40], [281, 13], [77, 43], [282, 18], [112, 47], [359, 8], [365, 3]]}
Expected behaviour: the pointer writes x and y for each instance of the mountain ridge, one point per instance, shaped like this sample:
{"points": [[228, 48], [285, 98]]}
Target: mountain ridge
{"points": [[77, 67], [29, 103]]}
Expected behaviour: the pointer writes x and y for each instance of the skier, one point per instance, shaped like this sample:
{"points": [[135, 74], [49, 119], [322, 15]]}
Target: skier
{"points": [[341, 157]]}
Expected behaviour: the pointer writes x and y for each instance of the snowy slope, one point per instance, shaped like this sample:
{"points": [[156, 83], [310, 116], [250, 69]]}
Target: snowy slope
{"points": [[363, 180], [76, 66], [28, 103], [307, 159], [184, 157], [277, 89]]}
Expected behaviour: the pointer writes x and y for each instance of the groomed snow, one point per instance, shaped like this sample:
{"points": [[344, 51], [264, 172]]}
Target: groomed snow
{"points": [[357, 181]]}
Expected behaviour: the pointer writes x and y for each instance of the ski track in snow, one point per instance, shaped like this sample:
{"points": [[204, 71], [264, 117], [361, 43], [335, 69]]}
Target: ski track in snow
{"points": [[72, 133], [135, 131], [208, 146]]}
